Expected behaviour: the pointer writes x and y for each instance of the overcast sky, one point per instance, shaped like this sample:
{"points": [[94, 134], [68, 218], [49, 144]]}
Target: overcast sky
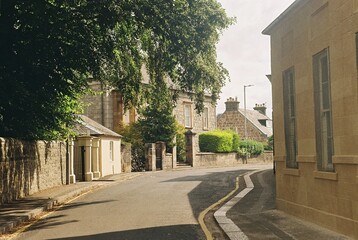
{"points": [[245, 52]]}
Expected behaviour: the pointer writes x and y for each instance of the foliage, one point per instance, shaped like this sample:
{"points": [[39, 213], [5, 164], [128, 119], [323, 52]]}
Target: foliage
{"points": [[157, 122], [216, 141], [251, 148], [180, 143], [49, 49], [269, 145], [131, 133], [235, 141]]}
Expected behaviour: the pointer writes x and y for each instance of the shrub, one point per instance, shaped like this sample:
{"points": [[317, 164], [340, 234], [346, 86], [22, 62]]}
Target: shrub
{"points": [[251, 147], [269, 145], [216, 141], [180, 143], [235, 142]]}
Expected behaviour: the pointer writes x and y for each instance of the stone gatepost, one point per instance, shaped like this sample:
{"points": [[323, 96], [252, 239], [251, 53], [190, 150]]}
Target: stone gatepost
{"points": [[174, 159], [71, 157], [161, 151], [86, 142], [190, 148], [95, 158], [150, 156]]}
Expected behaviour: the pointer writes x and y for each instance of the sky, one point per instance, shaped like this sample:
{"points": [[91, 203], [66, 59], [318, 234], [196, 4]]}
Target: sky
{"points": [[245, 52]]}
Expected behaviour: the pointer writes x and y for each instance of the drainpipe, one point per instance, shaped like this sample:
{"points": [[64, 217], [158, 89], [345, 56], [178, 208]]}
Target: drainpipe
{"points": [[102, 105], [67, 164]]}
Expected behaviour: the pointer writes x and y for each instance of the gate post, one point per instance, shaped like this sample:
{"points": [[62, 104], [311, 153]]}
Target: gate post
{"points": [[86, 143], [189, 142], [160, 154], [150, 156], [72, 159]]}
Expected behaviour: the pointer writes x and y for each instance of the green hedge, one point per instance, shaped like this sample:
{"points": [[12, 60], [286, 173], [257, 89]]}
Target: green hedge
{"points": [[219, 141], [251, 147]]}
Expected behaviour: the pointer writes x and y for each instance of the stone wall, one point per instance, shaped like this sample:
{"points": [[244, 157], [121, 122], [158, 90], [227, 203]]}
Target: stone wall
{"points": [[167, 161], [126, 157], [27, 167], [99, 106], [235, 121], [228, 159], [216, 160], [197, 126], [327, 198]]}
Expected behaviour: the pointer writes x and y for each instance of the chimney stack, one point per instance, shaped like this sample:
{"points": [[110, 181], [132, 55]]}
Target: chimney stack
{"points": [[232, 104], [261, 108]]}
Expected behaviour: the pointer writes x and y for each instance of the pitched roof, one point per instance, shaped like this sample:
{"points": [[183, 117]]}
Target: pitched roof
{"points": [[254, 116], [87, 126]]}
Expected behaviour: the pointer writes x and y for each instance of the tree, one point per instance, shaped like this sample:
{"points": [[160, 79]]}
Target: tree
{"points": [[157, 122], [50, 48]]}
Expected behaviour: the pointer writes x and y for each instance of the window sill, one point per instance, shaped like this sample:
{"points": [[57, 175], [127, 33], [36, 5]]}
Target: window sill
{"points": [[326, 175], [291, 171]]}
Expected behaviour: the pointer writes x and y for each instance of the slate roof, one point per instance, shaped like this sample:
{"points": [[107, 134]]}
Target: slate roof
{"points": [[86, 126], [254, 116]]}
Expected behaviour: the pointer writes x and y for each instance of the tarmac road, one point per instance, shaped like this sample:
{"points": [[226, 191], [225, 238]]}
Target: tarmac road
{"points": [[162, 205]]}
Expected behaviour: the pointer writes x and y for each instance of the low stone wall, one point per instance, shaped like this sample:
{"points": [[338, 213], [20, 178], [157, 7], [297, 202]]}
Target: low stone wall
{"points": [[265, 157], [27, 167], [216, 160], [126, 157], [168, 161], [228, 159]]}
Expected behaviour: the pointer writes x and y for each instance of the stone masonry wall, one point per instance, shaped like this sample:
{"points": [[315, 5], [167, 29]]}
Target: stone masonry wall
{"points": [[27, 167], [198, 126], [235, 121], [126, 157], [94, 109]]}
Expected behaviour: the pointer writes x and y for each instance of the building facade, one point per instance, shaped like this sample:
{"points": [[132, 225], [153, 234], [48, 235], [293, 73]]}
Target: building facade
{"points": [[95, 152], [315, 103], [107, 109], [258, 125]]}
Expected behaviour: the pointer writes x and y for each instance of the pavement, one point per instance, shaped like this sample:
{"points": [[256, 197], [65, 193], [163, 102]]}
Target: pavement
{"points": [[17, 212], [251, 212]]}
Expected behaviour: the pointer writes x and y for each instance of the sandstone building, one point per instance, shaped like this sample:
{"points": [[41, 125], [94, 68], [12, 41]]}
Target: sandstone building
{"points": [[314, 50], [258, 125], [107, 109]]}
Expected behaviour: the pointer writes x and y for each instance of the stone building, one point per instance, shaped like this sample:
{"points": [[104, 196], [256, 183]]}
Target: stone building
{"points": [[95, 152], [315, 91], [258, 125], [107, 109]]}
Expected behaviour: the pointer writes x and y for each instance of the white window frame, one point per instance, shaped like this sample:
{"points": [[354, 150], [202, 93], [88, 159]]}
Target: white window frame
{"points": [[289, 101], [206, 118], [188, 115], [111, 150], [323, 111]]}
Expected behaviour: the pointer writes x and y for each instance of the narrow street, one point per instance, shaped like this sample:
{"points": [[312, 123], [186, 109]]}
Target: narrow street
{"points": [[159, 205]]}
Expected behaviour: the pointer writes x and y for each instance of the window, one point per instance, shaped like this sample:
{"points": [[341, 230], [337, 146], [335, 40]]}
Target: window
{"points": [[187, 116], [289, 100], [206, 118], [323, 113], [111, 152]]}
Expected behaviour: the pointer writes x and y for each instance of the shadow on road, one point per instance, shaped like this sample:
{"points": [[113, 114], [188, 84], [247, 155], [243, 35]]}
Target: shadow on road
{"points": [[213, 187], [179, 232]]}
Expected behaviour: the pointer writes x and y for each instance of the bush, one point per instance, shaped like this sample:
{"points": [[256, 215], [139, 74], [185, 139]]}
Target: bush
{"points": [[218, 141], [269, 145], [180, 143], [251, 147], [235, 142]]}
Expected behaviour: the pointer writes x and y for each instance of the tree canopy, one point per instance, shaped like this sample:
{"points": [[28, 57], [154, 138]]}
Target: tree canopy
{"points": [[50, 48]]}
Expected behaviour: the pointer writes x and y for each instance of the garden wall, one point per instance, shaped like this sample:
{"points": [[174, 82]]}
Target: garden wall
{"points": [[228, 159], [27, 167]]}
